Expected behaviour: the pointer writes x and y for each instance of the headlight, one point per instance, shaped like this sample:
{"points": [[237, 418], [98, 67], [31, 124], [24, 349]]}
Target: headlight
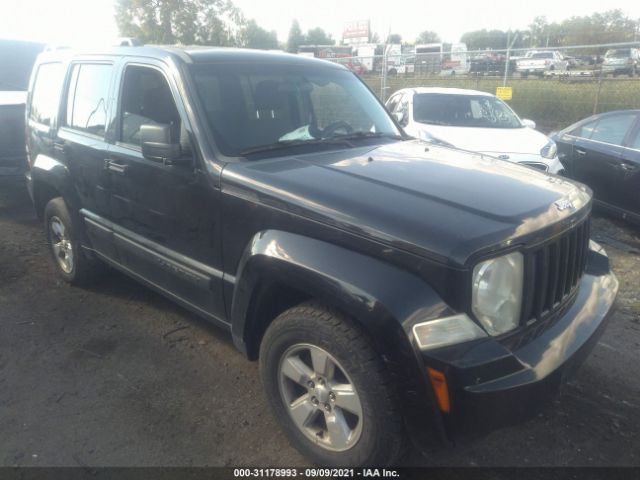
{"points": [[549, 150], [497, 293], [446, 331]]}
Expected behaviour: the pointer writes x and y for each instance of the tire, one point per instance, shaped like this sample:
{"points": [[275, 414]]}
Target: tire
{"points": [[376, 435], [71, 262]]}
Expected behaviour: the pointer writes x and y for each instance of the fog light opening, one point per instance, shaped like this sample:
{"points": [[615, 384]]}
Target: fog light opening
{"points": [[439, 384]]}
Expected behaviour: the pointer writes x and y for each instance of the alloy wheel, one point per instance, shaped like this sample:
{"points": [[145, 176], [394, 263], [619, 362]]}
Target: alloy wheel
{"points": [[61, 244], [320, 397]]}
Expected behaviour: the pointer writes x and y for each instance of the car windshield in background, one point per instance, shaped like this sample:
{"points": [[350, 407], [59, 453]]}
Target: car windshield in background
{"points": [[618, 53], [542, 55], [252, 108], [463, 111]]}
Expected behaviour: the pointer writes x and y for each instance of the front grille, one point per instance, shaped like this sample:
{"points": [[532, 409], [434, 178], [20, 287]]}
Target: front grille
{"points": [[553, 271]]}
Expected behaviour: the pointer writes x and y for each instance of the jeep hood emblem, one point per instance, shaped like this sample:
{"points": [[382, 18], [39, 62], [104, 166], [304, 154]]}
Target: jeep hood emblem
{"points": [[564, 204]]}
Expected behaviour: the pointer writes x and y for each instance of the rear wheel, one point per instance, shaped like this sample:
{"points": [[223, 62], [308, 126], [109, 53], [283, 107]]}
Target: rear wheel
{"points": [[71, 262], [329, 389]]}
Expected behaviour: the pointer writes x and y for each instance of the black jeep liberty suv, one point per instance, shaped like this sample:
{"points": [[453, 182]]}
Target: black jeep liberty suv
{"points": [[391, 289]]}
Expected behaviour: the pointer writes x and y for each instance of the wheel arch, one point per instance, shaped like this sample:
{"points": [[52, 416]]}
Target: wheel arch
{"points": [[382, 299], [50, 178]]}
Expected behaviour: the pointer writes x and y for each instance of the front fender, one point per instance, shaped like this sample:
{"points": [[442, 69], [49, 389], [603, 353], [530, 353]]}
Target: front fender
{"points": [[386, 301]]}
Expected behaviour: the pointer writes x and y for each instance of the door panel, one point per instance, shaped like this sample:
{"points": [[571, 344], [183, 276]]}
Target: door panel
{"points": [[630, 166], [598, 153], [80, 140], [85, 157], [166, 217], [596, 164]]}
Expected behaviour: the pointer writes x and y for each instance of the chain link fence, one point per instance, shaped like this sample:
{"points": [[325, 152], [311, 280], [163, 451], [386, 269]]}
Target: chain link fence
{"points": [[554, 87]]}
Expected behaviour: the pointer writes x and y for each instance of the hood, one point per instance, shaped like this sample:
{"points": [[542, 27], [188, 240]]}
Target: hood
{"points": [[436, 202], [490, 140]]}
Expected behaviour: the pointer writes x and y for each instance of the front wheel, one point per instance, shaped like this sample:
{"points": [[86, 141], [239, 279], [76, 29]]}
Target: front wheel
{"points": [[329, 389]]}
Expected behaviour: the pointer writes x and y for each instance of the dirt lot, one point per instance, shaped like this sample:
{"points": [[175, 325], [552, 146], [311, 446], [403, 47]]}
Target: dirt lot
{"points": [[117, 375]]}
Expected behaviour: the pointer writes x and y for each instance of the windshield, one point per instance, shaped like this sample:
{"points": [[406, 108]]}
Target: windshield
{"points": [[619, 53], [250, 106], [542, 55], [478, 111]]}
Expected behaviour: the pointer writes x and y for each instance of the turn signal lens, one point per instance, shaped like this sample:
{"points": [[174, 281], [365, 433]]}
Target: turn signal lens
{"points": [[439, 384]]}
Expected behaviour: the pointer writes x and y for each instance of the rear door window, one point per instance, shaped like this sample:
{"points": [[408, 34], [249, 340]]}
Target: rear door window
{"points": [[46, 93], [584, 131], [613, 129], [88, 98]]}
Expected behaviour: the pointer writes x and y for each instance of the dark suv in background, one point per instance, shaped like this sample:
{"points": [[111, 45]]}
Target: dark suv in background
{"points": [[389, 288]]}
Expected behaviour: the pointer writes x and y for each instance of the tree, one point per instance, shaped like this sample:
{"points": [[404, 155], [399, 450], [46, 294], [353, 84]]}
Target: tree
{"points": [[428, 37], [201, 22], [317, 36], [254, 36], [608, 27], [395, 38], [296, 38]]}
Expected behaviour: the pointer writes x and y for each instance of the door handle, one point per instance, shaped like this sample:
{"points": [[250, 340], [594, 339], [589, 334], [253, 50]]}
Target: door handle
{"points": [[116, 167], [627, 167], [60, 147], [579, 151]]}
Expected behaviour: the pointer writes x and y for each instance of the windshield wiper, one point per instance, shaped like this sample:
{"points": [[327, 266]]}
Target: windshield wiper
{"points": [[282, 144], [367, 134], [435, 122]]}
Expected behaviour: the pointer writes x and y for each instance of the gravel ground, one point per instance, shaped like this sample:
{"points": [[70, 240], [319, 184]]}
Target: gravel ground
{"points": [[115, 375]]}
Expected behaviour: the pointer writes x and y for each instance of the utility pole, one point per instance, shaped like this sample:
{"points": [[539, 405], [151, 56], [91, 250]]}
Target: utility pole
{"points": [[506, 63]]}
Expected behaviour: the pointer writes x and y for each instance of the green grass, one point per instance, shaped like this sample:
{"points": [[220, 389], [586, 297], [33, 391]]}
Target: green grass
{"points": [[553, 103]]}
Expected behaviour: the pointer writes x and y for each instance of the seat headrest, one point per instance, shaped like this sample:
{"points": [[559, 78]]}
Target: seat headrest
{"points": [[268, 96]]}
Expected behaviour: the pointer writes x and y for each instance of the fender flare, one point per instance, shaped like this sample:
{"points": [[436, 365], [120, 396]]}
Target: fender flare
{"points": [[48, 171], [383, 299]]}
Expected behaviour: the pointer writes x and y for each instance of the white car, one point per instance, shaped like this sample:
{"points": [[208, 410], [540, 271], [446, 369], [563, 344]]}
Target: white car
{"points": [[475, 121], [540, 63]]}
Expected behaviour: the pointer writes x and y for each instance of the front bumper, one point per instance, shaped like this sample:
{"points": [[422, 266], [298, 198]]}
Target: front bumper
{"points": [[492, 384], [532, 160]]}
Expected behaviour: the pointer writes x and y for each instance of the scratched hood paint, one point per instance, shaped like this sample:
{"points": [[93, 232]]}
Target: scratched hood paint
{"points": [[435, 202]]}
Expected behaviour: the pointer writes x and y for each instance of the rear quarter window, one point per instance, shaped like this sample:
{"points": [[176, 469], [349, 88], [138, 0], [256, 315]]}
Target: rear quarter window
{"points": [[46, 93]]}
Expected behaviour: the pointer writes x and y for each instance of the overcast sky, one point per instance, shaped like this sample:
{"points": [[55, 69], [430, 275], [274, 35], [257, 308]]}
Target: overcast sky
{"points": [[85, 22]]}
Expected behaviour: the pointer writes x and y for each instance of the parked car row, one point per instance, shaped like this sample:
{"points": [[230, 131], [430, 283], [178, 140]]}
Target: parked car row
{"points": [[602, 151]]}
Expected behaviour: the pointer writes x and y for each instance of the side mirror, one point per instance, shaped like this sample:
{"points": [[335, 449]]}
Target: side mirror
{"points": [[528, 123], [401, 116], [157, 146]]}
